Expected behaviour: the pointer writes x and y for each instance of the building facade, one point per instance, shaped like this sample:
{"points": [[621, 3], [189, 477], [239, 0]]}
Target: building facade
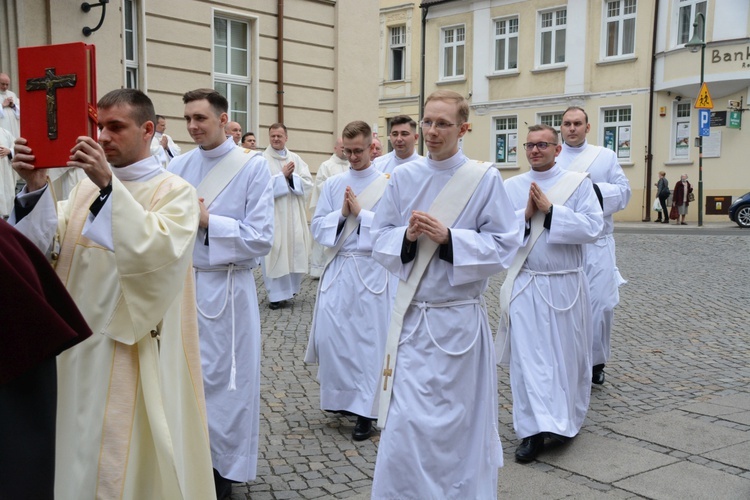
{"points": [[521, 62], [293, 61]]}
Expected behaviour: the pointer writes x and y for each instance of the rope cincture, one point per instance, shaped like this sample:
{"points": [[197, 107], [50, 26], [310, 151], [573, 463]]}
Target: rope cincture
{"points": [[229, 289]]}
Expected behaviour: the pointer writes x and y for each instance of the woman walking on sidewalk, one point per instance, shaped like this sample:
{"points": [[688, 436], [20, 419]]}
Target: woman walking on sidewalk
{"points": [[662, 191]]}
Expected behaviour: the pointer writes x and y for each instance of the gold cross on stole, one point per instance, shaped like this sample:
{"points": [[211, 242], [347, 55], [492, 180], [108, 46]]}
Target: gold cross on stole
{"points": [[387, 372]]}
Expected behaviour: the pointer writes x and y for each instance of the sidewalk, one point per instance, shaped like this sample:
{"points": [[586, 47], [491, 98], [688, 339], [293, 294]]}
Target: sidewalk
{"points": [[672, 420]]}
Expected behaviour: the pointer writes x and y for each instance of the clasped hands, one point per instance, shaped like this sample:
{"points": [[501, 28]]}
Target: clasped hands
{"points": [[537, 201], [288, 169], [351, 204], [87, 155], [423, 223]]}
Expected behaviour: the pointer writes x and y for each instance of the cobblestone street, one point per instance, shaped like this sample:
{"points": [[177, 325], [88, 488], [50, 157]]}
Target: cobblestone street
{"points": [[675, 407]]}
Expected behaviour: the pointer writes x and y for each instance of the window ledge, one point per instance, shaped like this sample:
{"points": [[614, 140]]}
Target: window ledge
{"points": [[448, 81], [507, 167], [674, 163], [626, 163], [617, 60], [504, 74], [549, 68]]}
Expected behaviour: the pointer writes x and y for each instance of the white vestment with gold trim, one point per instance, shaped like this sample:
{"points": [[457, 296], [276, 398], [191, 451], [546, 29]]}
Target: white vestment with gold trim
{"points": [[131, 420]]}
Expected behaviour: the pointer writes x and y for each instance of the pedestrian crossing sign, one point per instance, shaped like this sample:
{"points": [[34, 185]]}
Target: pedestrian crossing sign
{"points": [[704, 98]]}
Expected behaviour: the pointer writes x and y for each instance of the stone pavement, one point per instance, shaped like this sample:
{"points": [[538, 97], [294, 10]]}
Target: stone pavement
{"points": [[672, 420]]}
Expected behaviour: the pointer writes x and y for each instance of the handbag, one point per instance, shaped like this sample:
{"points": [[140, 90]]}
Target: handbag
{"points": [[691, 197], [673, 214]]}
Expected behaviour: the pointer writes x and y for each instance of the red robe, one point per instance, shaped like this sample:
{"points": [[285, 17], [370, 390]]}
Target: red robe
{"points": [[40, 321]]}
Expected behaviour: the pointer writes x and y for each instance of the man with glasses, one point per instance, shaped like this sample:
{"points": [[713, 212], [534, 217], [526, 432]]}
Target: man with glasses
{"points": [[403, 138], [613, 190], [545, 328], [444, 226], [351, 314]]}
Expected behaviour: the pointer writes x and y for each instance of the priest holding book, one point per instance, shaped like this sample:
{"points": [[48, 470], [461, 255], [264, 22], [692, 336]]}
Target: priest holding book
{"points": [[131, 418]]}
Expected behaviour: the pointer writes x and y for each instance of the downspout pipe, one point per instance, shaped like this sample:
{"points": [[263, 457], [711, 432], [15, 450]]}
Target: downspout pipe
{"points": [[425, 8], [649, 139], [280, 61]]}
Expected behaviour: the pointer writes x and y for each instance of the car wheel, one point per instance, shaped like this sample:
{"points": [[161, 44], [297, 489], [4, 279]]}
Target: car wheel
{"points": [[743, 216]]}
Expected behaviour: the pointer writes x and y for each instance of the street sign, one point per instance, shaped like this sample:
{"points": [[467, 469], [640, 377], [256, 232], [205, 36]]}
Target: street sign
{"points": [[735, 119], [704, 98], [704, 122]]}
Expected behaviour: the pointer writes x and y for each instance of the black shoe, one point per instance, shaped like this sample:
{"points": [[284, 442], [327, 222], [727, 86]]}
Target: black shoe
{"points": [[530, 448], [597, 375], [666, 221], [274, 305], [658, 220], [363, 429], [223, 486], [559, 438]]}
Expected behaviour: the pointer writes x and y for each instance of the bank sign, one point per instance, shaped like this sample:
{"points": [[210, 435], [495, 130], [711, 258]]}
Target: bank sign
{"points": [[739, 56]]}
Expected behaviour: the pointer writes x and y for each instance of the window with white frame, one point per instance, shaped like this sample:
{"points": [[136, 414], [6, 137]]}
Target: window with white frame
{"points": [[130, 37], [617, 131], [619, 27], [553, 120], [552, 26], [506, 140], [681, 128], [506, 44], [687, 10], [232, 76], [398, 52], [452, 45]]}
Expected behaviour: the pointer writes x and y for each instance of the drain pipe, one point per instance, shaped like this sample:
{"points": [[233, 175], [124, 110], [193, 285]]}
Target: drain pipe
{"points": [[425, 8], [280, 62], [649, 156]]}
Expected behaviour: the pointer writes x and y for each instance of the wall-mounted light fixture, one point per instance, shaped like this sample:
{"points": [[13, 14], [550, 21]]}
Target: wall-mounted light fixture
{"points": [[86, 7]]}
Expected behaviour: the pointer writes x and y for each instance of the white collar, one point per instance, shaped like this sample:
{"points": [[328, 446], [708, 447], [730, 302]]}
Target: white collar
{"points": [[140, 170]]}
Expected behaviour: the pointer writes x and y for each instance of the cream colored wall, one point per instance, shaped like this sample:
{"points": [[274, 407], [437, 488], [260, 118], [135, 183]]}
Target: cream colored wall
{"points": [[399, 97], [327, 81]]}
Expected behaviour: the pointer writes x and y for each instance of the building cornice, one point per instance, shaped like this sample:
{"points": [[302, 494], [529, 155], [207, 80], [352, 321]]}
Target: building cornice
{"points": [[561, 100]]}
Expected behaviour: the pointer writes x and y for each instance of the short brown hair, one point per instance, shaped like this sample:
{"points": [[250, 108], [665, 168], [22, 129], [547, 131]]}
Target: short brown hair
{"points": [[278, 125], [577, 108], [403, 120], [355, 129], [454, 97], [216, 100], [142, 107], [541, 126]]}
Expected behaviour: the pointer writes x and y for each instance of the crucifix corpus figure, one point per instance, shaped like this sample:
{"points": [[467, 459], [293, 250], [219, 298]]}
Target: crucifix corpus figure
{"points": [[51, 82]]}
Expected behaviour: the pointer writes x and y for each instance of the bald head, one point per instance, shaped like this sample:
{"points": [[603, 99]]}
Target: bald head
{"points": [[235, 130], [4, 82], [377, 148], [338, 148]]}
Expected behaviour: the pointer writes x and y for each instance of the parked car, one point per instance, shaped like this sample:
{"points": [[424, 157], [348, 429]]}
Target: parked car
{"points": [[739, 211]]}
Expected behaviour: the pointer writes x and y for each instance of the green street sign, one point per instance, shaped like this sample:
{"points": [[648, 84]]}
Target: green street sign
{"points": [[735, 119]]}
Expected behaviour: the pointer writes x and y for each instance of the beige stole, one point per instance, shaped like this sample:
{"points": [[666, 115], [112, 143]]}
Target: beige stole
{"points": [[585, 159], [446, 207], [557, 195], [222, 174], [367, 199]]}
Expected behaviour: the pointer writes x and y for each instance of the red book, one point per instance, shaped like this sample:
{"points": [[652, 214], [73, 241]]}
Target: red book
{"points": [[58, 90]]}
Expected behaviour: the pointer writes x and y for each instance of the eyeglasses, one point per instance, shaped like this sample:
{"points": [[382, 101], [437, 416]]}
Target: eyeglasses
{"points": [[541, 146], [355, 152], [440, 125]]}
